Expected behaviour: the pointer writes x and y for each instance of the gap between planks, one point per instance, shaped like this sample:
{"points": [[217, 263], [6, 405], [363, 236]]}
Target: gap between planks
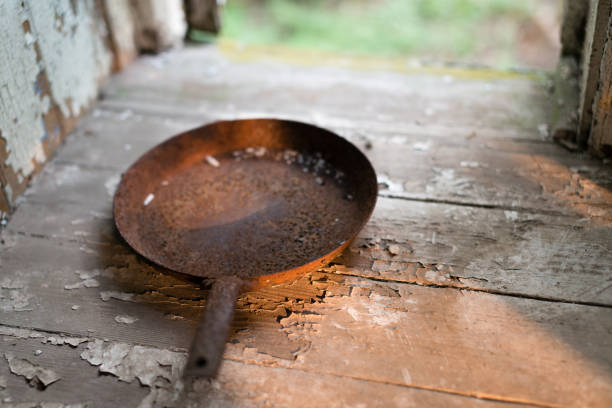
{"points": [[472, 204], [407, 197], [524, 210], [376, 279], [489, 291], [475, 395]]}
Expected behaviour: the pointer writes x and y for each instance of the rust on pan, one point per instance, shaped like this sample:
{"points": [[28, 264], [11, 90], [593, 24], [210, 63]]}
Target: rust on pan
{"points": [[247, 203]]}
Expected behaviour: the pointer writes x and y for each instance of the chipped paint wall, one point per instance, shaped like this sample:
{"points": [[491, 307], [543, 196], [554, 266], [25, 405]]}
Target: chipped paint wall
{"points": [[53, 56]]}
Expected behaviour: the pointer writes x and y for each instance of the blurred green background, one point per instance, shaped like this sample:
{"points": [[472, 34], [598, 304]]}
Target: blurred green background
{"points": [[496, 33]]}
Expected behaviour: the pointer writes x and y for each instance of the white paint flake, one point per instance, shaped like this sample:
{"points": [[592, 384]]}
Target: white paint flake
{"points": [[212, 161], [87, 280], [30, 371], [354, 313], [61, 340], [111, 184], [421, 146], [391, 186], [107, 295], [126, 114], [87, 283], [158, 369], [125, 319], [543, 130], [14, 296], [406, 376], [394, 249], [148, 199], [511, 215]]}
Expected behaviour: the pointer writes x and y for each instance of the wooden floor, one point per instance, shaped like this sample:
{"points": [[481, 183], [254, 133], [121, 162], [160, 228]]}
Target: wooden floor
{"points": [[484, 277]]}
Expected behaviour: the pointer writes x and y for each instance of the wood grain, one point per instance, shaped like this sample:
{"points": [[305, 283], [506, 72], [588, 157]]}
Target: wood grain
{"points": [[553, 257], [481, 279], [601, 128], [456, 342]]}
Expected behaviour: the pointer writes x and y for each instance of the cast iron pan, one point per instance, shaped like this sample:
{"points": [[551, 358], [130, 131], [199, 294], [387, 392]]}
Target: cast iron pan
{"points": [[245, 203]]}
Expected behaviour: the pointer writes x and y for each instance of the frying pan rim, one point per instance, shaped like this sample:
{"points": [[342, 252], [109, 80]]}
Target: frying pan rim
{"points": [[265, 277]]}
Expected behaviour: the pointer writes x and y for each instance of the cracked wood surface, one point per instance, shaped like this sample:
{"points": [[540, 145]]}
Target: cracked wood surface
{"points": [[482, 278], [501, 250]]}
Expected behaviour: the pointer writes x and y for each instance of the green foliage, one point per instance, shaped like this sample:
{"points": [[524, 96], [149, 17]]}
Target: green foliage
{"points": [[441, 29]]}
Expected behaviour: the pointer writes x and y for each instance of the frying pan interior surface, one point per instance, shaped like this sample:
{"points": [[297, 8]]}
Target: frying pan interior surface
{"points": [[245, 198], [246, 202]]}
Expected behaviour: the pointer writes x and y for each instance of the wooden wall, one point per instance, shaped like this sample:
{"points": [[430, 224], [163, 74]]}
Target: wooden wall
{"points": [[54, 55], [600, 140], [584, 77]]}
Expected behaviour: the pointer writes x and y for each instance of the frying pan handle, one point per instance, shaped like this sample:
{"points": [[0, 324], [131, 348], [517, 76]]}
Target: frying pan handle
{"points": [[209, 342]]}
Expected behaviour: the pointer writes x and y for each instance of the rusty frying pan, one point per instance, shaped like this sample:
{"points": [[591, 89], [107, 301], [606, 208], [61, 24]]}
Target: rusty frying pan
{"points": [[245, 203]]}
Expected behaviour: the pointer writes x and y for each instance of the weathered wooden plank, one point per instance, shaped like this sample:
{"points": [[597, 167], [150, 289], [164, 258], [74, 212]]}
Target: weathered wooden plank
{"points": [[542, 179], [80, 382], [597, 21], [431, 244], [178, 83], [238, 383], [572, 28], [514, 252], [601, 128], [382, 334], [470, 343]]}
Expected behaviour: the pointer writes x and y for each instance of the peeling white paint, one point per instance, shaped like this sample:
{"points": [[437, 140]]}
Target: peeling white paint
{"points": [[125, 319], [8, 191], [383, 316], [421, 146], [111, 184], [87, 283], [392, 186], [155, 368], [87, 280], [394, 249], [470, 164], [31, 371], [21, 107], [72, 56], [61, 340], [14, 296], [212, 161], [56, 340], [511, 215], [148, 199], [107, 295], [354, 313], [73, 53], [67, 175], [445, 179]]}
